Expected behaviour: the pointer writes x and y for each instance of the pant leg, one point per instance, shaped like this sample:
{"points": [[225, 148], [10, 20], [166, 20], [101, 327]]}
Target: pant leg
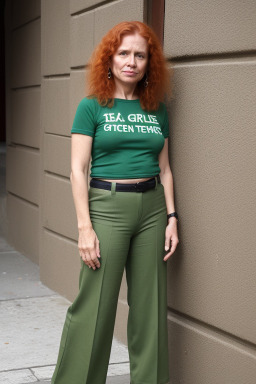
{"points": [[146, 274], [88, 330]]}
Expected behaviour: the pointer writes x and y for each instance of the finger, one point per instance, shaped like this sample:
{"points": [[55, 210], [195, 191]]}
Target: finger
{"points": [[173, 248], [167, 256], [167, 243], [84, 258], [97, 248], [86, 262], [90, 262], [94, 259]]}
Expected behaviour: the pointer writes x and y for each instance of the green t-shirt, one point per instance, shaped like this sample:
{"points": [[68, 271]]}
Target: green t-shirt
{"points": [[126, 139]]}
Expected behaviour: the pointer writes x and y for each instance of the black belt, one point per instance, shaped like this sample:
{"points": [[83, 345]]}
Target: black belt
{"points": [[142, 186]]}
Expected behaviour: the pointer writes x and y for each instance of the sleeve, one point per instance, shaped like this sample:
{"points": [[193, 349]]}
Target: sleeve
{"points": [[85, 118], [165, 124]]}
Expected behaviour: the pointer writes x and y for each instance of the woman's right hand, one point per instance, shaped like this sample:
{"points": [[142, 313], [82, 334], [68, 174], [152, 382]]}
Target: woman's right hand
{"points": [[89, 247]]}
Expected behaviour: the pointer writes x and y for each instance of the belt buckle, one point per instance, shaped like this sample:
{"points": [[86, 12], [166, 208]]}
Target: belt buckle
{"points": [[139, 187]]}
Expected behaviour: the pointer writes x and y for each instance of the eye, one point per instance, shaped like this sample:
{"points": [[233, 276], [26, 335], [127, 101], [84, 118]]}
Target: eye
{"points": [[122, 53], [140, 55]]}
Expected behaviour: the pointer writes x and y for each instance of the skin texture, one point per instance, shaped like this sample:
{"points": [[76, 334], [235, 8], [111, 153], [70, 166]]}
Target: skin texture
{"points": [[128, 66]]}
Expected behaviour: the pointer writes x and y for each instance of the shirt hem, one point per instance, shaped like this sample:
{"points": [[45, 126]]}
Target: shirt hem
{"points": [[83, 132]]}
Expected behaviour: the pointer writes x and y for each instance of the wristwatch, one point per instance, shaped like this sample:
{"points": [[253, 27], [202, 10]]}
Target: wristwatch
{"points": [[173, 214]]}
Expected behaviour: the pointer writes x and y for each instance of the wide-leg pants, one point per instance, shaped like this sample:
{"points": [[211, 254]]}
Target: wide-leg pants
{"points": [[131, 229]]}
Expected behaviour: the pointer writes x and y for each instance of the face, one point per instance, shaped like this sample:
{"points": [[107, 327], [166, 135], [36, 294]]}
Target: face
{"points": [[129, 63]]}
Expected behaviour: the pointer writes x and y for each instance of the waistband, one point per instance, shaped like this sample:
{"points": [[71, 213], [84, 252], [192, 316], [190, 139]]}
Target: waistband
{"points": [[142, 186]]}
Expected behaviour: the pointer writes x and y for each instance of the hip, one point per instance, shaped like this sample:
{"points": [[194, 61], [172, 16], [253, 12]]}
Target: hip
{"points": [[118, 208]]}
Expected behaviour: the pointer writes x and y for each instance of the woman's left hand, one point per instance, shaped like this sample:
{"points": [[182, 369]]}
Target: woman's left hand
{"points": [[171, 238]]}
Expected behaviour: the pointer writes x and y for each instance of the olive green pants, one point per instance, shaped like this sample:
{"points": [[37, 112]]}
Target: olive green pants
{"points": [[131, 229]]}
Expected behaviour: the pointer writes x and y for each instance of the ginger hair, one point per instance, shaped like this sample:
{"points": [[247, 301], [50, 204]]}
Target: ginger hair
{"points": [[102, 88]]}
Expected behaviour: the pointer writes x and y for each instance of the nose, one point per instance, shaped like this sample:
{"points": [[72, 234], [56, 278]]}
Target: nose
{"points": [[132, 61]]}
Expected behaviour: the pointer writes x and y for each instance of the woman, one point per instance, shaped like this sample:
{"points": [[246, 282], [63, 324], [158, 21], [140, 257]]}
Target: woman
{"points": [[122, 219]]}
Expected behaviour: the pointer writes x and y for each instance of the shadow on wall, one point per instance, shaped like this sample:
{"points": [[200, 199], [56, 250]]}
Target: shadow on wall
{"points": [[3, 221]]}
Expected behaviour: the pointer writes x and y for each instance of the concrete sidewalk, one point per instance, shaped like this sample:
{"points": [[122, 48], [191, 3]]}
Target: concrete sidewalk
{"points": [[31, 319]]}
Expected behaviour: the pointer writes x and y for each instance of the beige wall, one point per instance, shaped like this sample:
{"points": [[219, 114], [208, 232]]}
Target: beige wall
{"points": [[23, 91], [211, 279]]}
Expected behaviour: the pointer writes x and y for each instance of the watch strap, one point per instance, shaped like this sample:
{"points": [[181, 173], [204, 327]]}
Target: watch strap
{"points": [[173, 214]]}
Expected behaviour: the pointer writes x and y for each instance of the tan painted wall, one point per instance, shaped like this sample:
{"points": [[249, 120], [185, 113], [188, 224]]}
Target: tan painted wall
{"points": [[212, 290], [211, 283], [23, 90]]}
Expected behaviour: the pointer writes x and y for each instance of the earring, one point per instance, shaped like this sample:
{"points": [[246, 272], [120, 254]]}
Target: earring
{"points": [[146, 81], [109, 73]]}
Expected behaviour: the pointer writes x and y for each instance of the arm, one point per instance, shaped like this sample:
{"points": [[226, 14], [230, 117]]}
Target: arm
{"points": [[88, 242], [171, 233]]}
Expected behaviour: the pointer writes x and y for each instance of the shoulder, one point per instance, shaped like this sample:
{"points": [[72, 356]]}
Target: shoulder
{"points": [[88, 103], [85, 120], [162, 108], [89, 107], [161, 112], [163, 118]]}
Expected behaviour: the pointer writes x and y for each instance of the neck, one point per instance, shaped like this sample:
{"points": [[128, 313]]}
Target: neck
{"points": [[125, 92]]}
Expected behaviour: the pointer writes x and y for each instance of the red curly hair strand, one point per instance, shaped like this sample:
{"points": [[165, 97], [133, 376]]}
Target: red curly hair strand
{"points": [[157, 72]]}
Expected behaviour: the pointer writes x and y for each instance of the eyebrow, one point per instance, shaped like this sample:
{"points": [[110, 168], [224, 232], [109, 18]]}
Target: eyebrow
{"points": [[127, 50]]}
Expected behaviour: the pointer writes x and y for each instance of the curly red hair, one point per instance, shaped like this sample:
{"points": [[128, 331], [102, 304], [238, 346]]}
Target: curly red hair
{"points": [[157, 72]]}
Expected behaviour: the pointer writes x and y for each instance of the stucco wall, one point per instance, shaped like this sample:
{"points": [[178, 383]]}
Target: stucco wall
{"points": [[23, 90], [211, 278]]}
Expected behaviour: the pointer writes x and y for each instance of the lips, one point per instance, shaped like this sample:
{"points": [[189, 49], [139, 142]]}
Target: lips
{"points": [[130, 73]]}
